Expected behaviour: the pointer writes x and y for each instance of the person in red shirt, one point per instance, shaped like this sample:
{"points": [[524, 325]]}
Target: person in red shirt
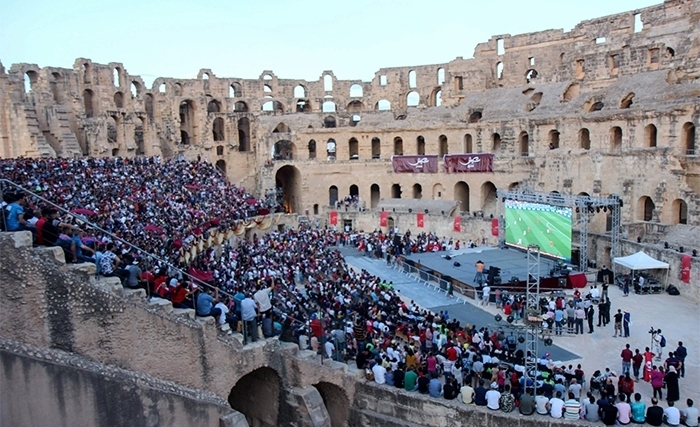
{"points": [[626, 356], [40, 225], [451, 353], [637, 360]]}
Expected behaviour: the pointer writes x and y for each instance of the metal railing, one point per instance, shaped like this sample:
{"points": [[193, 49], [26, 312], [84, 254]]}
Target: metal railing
{"points": [[429, 279]]}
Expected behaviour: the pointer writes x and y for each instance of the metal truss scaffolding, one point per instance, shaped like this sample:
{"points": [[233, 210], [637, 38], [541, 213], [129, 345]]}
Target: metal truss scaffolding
{"points": [[532, 315], [583, 205]]}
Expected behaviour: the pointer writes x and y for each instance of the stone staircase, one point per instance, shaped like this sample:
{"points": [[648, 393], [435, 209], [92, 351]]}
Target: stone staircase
{"points": [[59, 127], [43, 147]]}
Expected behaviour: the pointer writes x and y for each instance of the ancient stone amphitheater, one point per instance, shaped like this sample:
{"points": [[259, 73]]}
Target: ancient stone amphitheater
{"points": [[610, 107]]}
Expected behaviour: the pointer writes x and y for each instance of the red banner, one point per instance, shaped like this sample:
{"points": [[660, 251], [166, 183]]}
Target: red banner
{"points": [[457, 224], [494, 226], [685, 268], [469, 163], [420, 220], [383, 219], [334, 218], [415, 164]]}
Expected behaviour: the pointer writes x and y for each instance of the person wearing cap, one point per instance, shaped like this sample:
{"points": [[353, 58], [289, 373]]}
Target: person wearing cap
{"points": [[493, 396]]}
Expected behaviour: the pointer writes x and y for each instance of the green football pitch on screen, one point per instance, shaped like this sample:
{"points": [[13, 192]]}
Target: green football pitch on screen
{"points": [[547, 226]]}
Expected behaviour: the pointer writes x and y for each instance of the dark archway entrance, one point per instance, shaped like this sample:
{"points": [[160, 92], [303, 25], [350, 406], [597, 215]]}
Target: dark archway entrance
{"points": [[336, 402], [221, 166], [257, 396], [288, 179], [374, 195], [462, 195]]}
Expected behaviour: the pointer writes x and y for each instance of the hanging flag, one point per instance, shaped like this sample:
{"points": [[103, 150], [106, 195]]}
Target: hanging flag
{"points": [[334, 218], [457, 224], [685, 268], [420, 220], [494, 226], [383, 219]]}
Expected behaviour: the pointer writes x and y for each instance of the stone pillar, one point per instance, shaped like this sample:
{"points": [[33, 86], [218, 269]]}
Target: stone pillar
{"points": [[308, 408]]}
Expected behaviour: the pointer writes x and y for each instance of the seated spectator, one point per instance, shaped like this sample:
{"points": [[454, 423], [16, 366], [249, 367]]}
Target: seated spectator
{"points": [[624, 411], [467, 392], [451, 389], [492, 397], [556, 406], [609, 413], [572, 408], [638, 409], [655, 413], [15, 214], [379, 372], [410, 379], [52, 235], [507, 400], [435, 386], [424, 382], [480, 394], [399, 376], [109, 263], [590, 409], [672, 416], [541, 402], [527, 403], [689, 416]]}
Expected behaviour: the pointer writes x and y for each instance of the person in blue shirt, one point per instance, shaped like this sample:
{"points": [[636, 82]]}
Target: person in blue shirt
{"points": [[15, 215], [205, 304], [435, 386]]}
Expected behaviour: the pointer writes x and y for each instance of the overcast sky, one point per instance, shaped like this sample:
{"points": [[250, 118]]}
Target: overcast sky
{"points": [[295, 39]]}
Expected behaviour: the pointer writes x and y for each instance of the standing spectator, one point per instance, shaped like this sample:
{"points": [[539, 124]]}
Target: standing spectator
{"points": [[655, 414], [558, 317], [570, 317], [249, 317], [618, 323], [689, 416], [672, 416], [626, 356], [626, 385], [590, 316], [671, 381], [575, 388], [657, 381], [637, 360], [580, 314], [638, 409], [572, 408], [681, 354], [626, 322]]}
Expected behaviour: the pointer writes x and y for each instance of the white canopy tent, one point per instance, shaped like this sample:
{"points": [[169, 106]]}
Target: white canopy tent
{"points": [[641, 261]]}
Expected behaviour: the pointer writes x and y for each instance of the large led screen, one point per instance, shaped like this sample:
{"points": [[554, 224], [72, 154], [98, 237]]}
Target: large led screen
{"points": [[547, 226]]}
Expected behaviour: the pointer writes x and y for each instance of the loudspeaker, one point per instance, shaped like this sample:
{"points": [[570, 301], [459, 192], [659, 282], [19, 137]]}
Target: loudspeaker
{"points": [[562, 282], [456, 264]]}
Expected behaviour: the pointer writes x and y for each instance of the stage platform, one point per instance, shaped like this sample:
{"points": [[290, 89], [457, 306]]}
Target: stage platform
{"points": [[512, 262]]}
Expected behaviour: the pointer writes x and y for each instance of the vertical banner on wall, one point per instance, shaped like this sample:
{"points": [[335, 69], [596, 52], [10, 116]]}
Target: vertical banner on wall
{"points": [[383, 219], [494, 226], [457, 224], [685, 268], [334, 218], [420, 220]]}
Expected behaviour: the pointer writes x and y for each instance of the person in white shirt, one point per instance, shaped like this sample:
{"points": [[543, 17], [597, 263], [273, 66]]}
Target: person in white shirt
{"points": [[379, 372], [541, 402], [672, 416], [556, 406], [492, 397], [575, 388]]}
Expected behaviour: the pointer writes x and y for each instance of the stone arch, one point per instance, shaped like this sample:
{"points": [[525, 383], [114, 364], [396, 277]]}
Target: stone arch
{"points": [[417, 191], [218, 129], [329, 122], [273, 106], [214, 106], [303, 106], [376, 148], [221, 166], [438, 191], [288, 179], [284, 150], [420, 145], [513, 186], [650, 134], [240, 107], [332, 195], [571, 92], [328, 107], [627, 101], [495, 142], [584, 139], [462, 194], [383, 105], [56, 84], [553, 139], [299, 91], [219, 150], [396, 191], [375, 195], [436, 97], [243, 134], [679, 212], [257, 395], [443, 147], [355, 107], [88, 103], [398, 146], [530, 75], [616, 138], [336, 401], [524, 144], [119, 100], [235, 90], [354, 190], [688, 138], [645, 208], [475, 116], [412, 99], [355, 91], [187, 122], [354, 148], [281, 128], [489, 198], [312, 149]]}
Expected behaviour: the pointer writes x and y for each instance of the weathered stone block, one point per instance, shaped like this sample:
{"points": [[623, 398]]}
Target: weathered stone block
{"points": [[184, 312], [112, 284], [234, 419], [136, 294], [162, 304], [21, 239], [85, 267], [54, 253]]}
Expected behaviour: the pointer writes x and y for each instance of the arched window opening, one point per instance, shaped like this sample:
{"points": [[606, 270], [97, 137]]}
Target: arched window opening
{"points": [[355, 119], [417, 191], [221, 166], [312, 149], [87, 73], [468, 145], [553, 139], [332, 195], [688, 138], [374, 195], [205, 76], [328, 83], [475, 117], [87, 103], [267, 77], [56, 87], [162, 88], [650, 133], [240, 107], [499, 70], [187, 122], [376, 148], [315, 208], [440, 76], [329, 122], [353, 149], [383, 105], [219, 150], [412, 99], [679, 210], [396, 191], [596, 106], [303, 106], [281, 128], [139, 128], [398, 146], [135, 89], [267, 88], [461, 195], [299, 91], [443, 149], [489, 198], [534, 101], [178, 89], [218, 129], [283, 150], [330, 149], [244, 134], [524, 140], [113, 136], [355, 107], [438, 98], [645, 208], [420, 146], [495, 142], [119, 100], [584, 139], [329, 107], [213, 106], [530, 75], [616, 138], [117, 80], [355, 91], [571, 91], [412, 79], [627, 101], [354, 191]]}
